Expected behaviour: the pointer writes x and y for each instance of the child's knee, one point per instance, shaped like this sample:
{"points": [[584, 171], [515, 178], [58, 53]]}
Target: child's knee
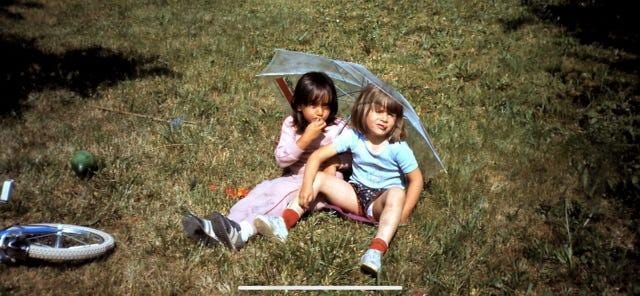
{"points": [[320, 178], [395, 197]]}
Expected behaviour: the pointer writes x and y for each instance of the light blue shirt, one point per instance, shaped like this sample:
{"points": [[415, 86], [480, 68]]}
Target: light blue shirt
{"points": [[381, 169]]}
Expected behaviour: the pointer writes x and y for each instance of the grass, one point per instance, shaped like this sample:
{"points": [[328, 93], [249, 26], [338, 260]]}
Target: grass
{"points": [[533, 110]]}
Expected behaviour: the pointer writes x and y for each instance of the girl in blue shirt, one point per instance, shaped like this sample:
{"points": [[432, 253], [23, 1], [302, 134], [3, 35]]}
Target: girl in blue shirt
{"points": [[385, 184]]}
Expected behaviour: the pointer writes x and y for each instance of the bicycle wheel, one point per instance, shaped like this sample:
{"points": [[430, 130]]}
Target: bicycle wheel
{"points": [[69, 242]]}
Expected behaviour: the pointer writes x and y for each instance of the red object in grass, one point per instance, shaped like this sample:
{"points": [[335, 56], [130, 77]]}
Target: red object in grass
{"points": [[236, 193], [242, 192], [230, 191]]}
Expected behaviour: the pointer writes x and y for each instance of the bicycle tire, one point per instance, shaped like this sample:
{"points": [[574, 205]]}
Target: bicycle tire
{"points": [[103, 243]]}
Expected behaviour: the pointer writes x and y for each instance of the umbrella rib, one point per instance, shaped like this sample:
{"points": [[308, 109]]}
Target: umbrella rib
{"points": [[341, 65]]}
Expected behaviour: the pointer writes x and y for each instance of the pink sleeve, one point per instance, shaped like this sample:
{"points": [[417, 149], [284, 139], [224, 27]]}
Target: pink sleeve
{"points": [[287, 152]]}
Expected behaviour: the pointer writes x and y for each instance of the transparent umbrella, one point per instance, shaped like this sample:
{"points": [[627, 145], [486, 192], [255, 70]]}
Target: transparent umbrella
{"points": [[349, 78]]}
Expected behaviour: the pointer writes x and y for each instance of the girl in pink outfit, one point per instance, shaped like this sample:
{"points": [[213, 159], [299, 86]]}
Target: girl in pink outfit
{"points": [[312, 124]]}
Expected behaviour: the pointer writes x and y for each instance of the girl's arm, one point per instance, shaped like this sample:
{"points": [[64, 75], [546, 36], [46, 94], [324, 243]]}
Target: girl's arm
{"points": [[305, 196], [311, 132], [289, 149], [287, 152], [331, 166], [414, 188]]}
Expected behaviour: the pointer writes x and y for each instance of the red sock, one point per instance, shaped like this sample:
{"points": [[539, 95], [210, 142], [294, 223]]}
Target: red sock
{"points": [[290, 217], [379, 244]]}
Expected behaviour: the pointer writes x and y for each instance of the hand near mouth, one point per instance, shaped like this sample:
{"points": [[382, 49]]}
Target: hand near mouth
{"points": [[313, 131]]}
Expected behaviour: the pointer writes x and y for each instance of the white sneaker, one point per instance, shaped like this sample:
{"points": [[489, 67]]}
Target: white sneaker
{"points": [[371, 261], [271, 227]]}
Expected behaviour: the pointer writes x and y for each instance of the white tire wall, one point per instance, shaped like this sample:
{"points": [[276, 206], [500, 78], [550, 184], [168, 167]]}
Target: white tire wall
{"points": [[75, 252]]}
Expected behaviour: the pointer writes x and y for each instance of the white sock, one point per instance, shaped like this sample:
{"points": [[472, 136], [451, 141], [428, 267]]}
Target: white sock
{"points": [[294, 205], [246, 230]]}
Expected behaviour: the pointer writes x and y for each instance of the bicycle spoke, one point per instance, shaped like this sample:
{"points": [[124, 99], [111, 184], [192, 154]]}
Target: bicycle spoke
{"points": [[79, 241], [58, 240], [59, 237], [39, 236]]}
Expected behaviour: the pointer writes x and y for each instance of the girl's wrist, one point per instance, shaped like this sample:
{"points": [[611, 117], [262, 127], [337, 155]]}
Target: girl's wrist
{"points": [[302, 143]]}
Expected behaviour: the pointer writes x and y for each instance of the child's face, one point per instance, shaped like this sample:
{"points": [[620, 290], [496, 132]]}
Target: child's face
{"points": [[379, 122], [316, 112]]}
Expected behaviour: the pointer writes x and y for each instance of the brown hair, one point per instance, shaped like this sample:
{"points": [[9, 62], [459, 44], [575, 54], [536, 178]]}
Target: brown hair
{"points": [[370, 97], [313, 88]]}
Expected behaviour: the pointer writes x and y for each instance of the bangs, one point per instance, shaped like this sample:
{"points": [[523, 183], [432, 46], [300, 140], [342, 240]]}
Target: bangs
{"points": [[390, 105], [321, 97]]}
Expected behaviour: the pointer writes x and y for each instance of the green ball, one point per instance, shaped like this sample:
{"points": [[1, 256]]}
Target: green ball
{"points": [[84, 164]]}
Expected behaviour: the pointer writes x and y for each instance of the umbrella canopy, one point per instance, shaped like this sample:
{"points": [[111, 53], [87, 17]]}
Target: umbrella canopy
{"points": [[349, 78]]}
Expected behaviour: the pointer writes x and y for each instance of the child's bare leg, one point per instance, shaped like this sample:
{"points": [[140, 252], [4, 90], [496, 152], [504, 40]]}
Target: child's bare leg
{"points": [[337, 192], [387, 209]]}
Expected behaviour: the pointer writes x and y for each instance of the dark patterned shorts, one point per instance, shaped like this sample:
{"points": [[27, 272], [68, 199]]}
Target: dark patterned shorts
{"points": [[366, 196]]}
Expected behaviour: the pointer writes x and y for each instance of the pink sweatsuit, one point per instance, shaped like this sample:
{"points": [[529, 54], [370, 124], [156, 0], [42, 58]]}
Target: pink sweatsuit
{"points": [[271, 197]]}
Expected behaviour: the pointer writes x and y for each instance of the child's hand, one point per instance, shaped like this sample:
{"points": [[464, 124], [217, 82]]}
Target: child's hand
{"points": [[305, 196], [314, 129], [311, 132]]}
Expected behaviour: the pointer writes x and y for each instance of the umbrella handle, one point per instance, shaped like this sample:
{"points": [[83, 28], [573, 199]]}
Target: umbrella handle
{"points": [[284, 88]]}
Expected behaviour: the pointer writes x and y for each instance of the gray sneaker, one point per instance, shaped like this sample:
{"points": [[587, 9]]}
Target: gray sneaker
{"points": [[371, 262], [227, 231], [271, 227], [199, 229]]}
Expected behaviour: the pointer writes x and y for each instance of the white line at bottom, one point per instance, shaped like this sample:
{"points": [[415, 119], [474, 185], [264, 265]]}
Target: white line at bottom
{"points": [[318, 288]]}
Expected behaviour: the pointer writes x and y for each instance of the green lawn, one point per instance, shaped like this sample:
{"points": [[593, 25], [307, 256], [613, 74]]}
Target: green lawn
{"points": [[533, 106]]}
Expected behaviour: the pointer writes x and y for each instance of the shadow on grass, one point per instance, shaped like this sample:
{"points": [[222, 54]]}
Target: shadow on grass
{"points": [[26, 69], [612, 24], [609, 24], [605, 151], [608, 103], [8, 13]]}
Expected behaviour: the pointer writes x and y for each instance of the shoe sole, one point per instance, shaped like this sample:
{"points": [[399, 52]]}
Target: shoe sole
{"points": [[195, 230], [263, 227], [218, 223], [369, 269]]}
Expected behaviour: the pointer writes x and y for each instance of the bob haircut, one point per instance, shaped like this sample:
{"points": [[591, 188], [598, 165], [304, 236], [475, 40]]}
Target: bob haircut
{"points": [[313, 88], [372, 97]]}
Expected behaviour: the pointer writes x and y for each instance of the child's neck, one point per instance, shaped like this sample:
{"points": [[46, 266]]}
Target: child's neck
{"points": [[376, 144], [376, 140]]}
